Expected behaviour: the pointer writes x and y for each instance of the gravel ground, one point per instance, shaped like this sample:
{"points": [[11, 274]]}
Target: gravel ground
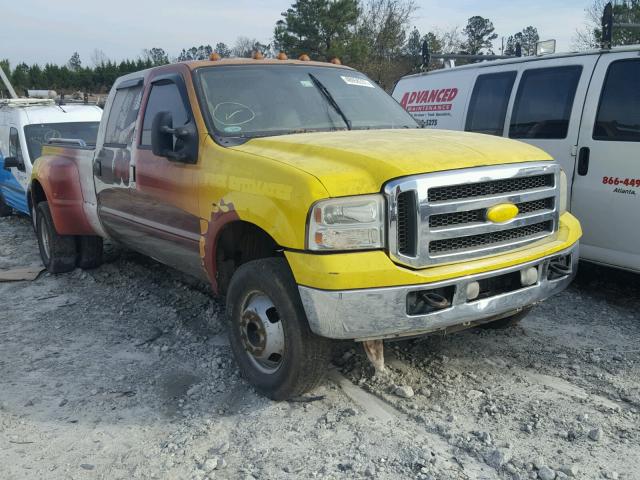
{"points": [[124, 372]]}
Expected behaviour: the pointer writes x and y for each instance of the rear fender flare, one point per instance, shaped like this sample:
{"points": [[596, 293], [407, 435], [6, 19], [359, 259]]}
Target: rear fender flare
{"points": [[60, 180]]}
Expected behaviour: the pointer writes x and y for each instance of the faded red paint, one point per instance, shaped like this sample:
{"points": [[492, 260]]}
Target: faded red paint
{"points": [[60, 180], [221, 216]]}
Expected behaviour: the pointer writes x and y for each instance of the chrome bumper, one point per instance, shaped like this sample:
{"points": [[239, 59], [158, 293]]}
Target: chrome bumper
{"points": [[375, 313]]}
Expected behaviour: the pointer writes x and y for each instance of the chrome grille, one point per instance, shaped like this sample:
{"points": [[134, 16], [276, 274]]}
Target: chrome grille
{"points": [[442, 217], [471, 241], [403, 222], [494, 187], [471, 216]]}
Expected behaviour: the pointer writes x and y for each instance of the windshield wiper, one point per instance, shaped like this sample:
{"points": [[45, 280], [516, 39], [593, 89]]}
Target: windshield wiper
{"points": [[330, 99]]}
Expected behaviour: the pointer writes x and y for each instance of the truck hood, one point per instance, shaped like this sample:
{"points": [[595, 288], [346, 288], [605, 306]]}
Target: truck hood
{"points": [[361, 161]]}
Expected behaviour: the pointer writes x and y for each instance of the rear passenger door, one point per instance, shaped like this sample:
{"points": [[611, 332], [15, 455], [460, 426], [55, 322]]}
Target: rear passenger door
{"points": [[606, 185], [548, 104], [112, 166]]}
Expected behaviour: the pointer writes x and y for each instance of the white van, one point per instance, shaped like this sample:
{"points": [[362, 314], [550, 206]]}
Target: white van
{"points": [[26, 125], [582, 108]]}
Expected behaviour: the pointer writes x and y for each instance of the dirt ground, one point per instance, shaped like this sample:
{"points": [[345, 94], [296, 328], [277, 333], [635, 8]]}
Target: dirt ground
{"points": [[124, 372]]}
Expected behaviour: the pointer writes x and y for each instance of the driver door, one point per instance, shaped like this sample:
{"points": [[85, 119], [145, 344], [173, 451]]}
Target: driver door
{"points": [[163, 208]]}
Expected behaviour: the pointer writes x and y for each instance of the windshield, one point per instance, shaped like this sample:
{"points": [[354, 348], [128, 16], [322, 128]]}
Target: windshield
{"points": [[38, 135], [254, 101]]}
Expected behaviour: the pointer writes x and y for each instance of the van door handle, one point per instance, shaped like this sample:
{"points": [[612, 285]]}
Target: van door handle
{"points": [[583, 161]]}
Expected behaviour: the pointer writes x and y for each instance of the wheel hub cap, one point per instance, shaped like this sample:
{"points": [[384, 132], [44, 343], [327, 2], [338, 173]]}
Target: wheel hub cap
{"points": [[262, 333]]}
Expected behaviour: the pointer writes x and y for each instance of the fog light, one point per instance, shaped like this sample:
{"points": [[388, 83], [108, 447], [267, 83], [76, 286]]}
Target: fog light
{"points": [[529, 276], [473, 290]]}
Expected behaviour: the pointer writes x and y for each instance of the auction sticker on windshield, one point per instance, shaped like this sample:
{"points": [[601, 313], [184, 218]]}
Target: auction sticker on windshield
{"points": [[359, 82]]}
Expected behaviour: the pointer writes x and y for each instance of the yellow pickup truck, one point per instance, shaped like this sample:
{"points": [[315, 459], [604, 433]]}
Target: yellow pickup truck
{"points": [[314, 203]]}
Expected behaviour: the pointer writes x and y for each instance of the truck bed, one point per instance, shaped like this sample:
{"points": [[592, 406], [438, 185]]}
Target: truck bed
{"points": [[70, 188]]}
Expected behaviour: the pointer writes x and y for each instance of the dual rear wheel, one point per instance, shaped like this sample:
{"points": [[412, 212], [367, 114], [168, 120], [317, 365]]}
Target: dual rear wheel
{"points": [[63, 253]]}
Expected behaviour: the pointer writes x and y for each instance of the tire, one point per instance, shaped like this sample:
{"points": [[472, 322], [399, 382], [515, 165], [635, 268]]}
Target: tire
{"points": [[507, 322], [89, 251], [58, 252], [34, 217], [5, 210], [265, 314]]}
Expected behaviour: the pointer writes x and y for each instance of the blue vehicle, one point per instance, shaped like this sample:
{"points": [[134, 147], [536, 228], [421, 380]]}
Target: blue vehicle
{"points": [[25, 126], [12, 193]]}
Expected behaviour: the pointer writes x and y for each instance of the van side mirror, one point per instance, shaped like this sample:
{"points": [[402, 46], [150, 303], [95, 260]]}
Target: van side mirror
{"points": [[13, 162], [175, 144]]}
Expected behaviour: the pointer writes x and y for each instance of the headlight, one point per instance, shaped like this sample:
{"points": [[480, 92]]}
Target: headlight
{"points": [[347, 223], [563, 192]]}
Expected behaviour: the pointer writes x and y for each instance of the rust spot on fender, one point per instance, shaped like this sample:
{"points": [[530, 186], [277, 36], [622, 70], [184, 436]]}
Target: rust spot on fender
{"points": [[222, 213]]}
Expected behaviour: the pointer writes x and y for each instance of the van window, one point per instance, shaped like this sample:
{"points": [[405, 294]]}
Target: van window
{"points": [[123, 115], [38, 135], [619, 111], [489, 102], [14, 144], [544, 101], [164, 97]]}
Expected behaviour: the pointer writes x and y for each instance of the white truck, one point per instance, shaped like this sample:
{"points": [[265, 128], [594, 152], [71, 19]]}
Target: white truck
{"points": [[582, 108]]}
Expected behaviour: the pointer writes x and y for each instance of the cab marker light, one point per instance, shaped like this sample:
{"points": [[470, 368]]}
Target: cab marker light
{"points": [[304, 58], [214, 57], [282, 56]]}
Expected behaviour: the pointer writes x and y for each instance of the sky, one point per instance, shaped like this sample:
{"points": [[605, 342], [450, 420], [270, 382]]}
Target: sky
{"points": [[33, 33]]}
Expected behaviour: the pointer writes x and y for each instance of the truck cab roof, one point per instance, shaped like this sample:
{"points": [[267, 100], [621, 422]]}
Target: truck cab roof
{"points": [[225, 62]]}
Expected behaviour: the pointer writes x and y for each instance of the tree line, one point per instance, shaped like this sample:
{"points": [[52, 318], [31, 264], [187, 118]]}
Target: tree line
{"points": [[374, 36]]}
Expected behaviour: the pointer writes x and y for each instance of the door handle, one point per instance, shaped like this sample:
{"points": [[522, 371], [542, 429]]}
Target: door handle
{"points": [[583, 161]]}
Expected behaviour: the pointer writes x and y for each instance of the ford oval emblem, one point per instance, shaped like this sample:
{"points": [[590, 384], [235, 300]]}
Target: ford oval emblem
{"points": [[502, 212]]}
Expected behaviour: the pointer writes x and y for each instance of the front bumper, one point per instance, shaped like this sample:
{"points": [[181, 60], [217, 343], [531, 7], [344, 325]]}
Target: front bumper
{"points": [[375, 313]]}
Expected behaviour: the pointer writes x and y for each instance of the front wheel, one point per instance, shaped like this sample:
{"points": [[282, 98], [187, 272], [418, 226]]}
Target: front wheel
{"points": [[268, 331], [58, 252]]}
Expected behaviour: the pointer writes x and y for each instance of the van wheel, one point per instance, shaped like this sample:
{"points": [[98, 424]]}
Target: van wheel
{"points": [[5, 210], [58, 252], [89, 251], [268, 331], [507, 322]]}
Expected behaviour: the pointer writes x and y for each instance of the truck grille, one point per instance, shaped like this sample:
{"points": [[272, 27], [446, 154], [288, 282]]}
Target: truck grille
{"points": [[407, 223], [471, 216], [460, 243], [442, 217], [494, 187]]}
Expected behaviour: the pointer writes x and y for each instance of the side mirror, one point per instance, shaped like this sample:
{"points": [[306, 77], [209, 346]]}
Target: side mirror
{"points": [[13, 162], [175, 144]]}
